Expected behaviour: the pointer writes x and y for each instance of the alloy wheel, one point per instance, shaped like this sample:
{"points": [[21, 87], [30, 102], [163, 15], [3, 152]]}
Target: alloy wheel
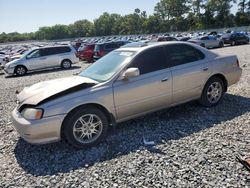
{"points": [[214, 92], [66, 64], [87, 128], [20, 71]]}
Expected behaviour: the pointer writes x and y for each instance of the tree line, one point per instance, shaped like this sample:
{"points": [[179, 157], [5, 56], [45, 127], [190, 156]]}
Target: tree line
{"points": [[168, 16]]}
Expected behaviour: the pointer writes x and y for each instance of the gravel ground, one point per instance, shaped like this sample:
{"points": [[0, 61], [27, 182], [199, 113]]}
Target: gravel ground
{"points": [[194, 146]]}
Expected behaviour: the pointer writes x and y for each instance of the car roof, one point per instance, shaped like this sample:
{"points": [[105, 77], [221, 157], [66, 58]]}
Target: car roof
{"points": [[137, 50], [143, 46], [44, 47]]}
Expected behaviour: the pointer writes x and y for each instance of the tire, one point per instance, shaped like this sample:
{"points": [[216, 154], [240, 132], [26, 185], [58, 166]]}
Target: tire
{"points": [[20, 70], [221, 44], [91, 60], [213, 92], [66, 64], [81, 131], [203, 45], [233, 43]]}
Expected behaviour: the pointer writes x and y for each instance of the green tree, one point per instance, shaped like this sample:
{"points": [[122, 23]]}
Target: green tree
{"points": [[168, 9], [221, 10], [81, 28]]}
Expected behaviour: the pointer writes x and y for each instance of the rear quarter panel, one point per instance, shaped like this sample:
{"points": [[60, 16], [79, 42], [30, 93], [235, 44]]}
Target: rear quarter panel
{"points": [[227, 66]]}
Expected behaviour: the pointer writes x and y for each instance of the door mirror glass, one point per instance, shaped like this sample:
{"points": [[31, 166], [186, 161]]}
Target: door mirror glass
{"points": [[131, 72]]}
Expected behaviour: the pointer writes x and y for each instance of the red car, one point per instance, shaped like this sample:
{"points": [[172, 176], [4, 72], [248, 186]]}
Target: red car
{"points": [[86, 52]]}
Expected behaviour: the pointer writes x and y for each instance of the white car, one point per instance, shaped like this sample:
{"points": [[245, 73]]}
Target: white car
{"points": [[2, 60], [42, 58], [207, 42]]}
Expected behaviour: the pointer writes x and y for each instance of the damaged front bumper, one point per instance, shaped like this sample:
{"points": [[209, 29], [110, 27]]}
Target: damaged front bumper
{"points": [[43, 131]]}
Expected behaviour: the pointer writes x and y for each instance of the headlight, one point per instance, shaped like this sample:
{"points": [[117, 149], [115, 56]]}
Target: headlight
{"points": [[32, 113], [12, 65]]}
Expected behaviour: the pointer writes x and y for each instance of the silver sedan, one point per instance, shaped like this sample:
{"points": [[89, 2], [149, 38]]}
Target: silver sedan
{"points": [[125, 84]]}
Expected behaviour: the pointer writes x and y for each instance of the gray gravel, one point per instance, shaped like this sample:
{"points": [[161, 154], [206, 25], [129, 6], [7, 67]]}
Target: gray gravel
{"points": [[195, 146]]}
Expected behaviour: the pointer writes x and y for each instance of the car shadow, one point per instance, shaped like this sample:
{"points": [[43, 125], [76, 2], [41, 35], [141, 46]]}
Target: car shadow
{"points": [[45, 71], [160, 127]]}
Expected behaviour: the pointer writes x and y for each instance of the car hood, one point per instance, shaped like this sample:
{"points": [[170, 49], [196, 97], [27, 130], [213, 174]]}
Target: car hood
{"points": [[48, 90]]}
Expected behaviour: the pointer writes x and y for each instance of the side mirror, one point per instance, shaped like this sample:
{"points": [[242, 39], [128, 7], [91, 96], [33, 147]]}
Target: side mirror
{"points": [[131, 73]]}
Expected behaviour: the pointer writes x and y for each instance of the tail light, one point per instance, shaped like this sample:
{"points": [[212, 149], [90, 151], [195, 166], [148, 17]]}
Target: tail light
{"points": [[238, 63], [101, 53]]}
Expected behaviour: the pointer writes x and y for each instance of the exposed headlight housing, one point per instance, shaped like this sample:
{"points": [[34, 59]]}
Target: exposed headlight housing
{"points": [[32, 113]]}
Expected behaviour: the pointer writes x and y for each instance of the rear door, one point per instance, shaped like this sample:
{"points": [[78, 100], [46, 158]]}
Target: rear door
{"points": [[208, 43], [190, 70], [214, 42], [48, 57], [150, 91]]}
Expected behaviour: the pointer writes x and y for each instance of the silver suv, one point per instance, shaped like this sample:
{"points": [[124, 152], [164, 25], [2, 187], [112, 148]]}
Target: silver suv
{"points": [[126, 83], [42, 58]]}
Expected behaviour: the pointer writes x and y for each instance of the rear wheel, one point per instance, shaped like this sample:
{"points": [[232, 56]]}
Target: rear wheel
{"points": [[213, 92], [233, 43], [66, 64], [20, 70], [86, 127]]}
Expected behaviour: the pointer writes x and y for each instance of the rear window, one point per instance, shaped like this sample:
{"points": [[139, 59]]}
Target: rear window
{"points": [[64, 49], [89, 47], [111, 46], [55, 50], [180, 54], [99, 47]]}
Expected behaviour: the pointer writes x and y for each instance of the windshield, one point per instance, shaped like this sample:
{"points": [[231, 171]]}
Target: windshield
{"points": [[27, 52], [106, 67]]}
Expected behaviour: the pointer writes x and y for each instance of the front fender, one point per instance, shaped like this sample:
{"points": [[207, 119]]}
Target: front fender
{"points": [[67, 103]]}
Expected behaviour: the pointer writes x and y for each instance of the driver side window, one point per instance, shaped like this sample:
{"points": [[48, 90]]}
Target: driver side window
{"points": [[150, 61], [33, 54]]}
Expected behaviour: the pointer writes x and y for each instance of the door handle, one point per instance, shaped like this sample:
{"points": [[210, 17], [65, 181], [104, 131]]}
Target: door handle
{"points": [[43, 58], [205, 69], [164, 80]]}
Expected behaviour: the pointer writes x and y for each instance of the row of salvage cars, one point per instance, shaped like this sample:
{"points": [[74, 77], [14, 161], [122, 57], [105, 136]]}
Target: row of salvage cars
{"points": [[126, 83], [27, 58]]}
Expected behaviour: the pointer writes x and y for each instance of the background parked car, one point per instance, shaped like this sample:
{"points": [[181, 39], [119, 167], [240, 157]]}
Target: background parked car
{"points": [[86, 52], [42, 58], [102, 49], [184, 38], [166, 38], [235, 38], [207, 42]]}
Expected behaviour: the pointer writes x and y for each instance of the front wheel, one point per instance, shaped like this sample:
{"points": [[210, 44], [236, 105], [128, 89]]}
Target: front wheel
{"points": [[20, 70], [86, 127], [213, 92]]}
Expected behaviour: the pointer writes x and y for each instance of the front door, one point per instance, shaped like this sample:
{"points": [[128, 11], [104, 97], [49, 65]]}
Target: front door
{"points": [[34, 60], [150, 91]]}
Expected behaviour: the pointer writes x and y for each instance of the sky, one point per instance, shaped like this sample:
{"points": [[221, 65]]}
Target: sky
{"points": [[28, 15]]}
